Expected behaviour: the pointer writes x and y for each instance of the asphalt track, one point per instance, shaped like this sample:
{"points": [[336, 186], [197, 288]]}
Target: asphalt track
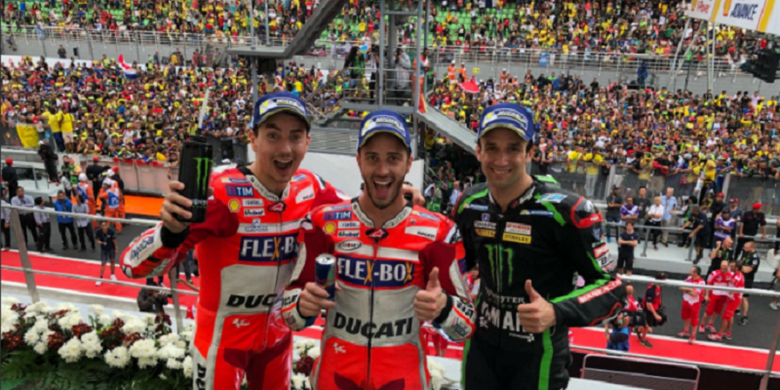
{"points": [[757, 334]]}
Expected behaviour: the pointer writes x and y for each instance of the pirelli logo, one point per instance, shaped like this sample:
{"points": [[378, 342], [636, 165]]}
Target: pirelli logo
{"points": [[600, 291]]}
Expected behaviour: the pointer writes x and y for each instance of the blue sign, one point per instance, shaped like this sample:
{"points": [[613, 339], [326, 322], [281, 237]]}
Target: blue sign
{"points": [[337, 215], [380, 273], [240, 191], [544, 59], [279, 248]]}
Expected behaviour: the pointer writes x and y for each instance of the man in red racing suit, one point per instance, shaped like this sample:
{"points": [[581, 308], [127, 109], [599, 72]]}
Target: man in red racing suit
{"points": [[372, 339], [246, 249]]}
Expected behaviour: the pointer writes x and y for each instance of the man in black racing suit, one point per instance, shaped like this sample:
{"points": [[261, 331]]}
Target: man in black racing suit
{"points": [[530, 246]]}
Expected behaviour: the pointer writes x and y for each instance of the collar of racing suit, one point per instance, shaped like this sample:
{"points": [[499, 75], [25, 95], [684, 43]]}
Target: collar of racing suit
{"points": [[261, 188], [391, 223], [526, 196]]}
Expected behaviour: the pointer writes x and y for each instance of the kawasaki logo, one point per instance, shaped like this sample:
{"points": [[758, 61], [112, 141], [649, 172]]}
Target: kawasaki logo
{"points": [[203, 165], [499, 251]]}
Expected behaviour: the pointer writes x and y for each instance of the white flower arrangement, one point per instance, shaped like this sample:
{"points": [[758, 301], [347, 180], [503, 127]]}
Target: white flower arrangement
{"points": [[71, 351], [118, 357]]}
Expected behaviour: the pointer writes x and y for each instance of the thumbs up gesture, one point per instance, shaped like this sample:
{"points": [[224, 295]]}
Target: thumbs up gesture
{"points": [[429, 303], [537, 315]]}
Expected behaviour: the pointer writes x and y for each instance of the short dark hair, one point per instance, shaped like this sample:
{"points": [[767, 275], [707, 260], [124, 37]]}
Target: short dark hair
{"points": [[60, 192], [39, 200], [661, 275], [697, 269]]}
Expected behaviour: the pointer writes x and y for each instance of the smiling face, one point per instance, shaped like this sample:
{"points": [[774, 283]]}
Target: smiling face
{"points": [[280, 144], [503, 154], [384, 161]]}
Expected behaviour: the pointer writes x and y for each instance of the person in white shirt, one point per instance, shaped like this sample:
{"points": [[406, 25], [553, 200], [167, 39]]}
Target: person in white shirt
{"points": [[455, 194], [43, 223], [692, 298], [83, 225], [654, 216]]}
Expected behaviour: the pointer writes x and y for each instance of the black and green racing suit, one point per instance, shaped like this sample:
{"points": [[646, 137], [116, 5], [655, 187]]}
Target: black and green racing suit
{"points": [[548, 236]]}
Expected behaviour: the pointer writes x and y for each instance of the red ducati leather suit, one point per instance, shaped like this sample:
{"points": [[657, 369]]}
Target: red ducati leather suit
{"points": [[246, 249], [372, 339]]}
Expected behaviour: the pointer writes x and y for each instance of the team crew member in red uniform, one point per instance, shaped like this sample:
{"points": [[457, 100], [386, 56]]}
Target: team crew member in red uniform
{"points": [[249, 241], [651, 304], [396, 268], [691, 305], [734, 300], [716, 299]]}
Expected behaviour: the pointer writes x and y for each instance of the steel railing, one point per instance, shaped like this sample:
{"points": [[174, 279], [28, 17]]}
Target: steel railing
{"points": [[441, 56], [29, 272], [776, 337]]}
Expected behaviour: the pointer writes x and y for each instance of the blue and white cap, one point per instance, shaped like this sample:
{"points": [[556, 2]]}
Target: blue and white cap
{"points": [[507, 116], [384, 121], [274, 103]]}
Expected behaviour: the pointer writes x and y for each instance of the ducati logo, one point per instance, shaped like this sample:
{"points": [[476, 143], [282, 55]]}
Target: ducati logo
{"points": [[377, 234], [277, 207], [239, 323]]}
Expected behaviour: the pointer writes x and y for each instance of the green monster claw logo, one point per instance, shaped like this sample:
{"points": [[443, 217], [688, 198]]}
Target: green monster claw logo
{"points": [[203, 165], [501, 251]]}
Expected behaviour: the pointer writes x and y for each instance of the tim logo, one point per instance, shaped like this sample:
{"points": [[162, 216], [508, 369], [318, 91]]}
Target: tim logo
{"points": [[281, 248], [380, 273], [337, 215], [240, 191]]}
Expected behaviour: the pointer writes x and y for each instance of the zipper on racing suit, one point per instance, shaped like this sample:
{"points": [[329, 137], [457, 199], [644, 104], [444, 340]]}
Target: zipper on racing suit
{"points": [[276, 278], [371, 312]]}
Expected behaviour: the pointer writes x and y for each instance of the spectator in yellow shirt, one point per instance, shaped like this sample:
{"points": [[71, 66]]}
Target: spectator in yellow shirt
{"points": [[66, 125], [54, 122]]}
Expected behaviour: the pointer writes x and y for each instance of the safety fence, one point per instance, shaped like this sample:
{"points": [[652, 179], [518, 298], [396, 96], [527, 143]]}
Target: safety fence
{"points": [[485, 56], [594, 181], [30, 272]]}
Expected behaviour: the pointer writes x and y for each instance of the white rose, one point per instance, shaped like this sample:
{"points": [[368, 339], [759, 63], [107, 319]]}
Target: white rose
{"points": [[40, 348], [71, 351], [104, 320], [143, 349], [173, 364], [10, 301], [67, 306], [90, 337], [186, 366], [97, 310], [314, 352], [163, 377], [145, 362], [41, 326], [149, 319], [297, 381], [31, 337], [118, 357], [187, 335], [92, 349], [133, 325]]}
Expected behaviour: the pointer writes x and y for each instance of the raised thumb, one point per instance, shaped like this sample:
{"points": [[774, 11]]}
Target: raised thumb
{"points": [[532, 294], [433, 279]]}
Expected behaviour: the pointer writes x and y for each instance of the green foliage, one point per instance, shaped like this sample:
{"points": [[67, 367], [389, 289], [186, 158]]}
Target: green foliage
{"points": [[24, 369]]}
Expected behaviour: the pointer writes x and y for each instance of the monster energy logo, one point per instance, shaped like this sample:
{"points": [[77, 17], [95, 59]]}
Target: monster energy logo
{"points": [[504, 255], [203, 165]]}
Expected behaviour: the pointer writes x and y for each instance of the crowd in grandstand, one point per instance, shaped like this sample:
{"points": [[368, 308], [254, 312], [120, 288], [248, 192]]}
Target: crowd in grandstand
{"points": [[96, 110], [567, 27]]}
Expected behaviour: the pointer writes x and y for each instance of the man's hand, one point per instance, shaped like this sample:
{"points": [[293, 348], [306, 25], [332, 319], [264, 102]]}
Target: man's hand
{"points": [[173, 204], [538, 315], [741, 235], [657, 317], [690, 235], [313, 299], [763, 236], [417, 196], [429, 303]]}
